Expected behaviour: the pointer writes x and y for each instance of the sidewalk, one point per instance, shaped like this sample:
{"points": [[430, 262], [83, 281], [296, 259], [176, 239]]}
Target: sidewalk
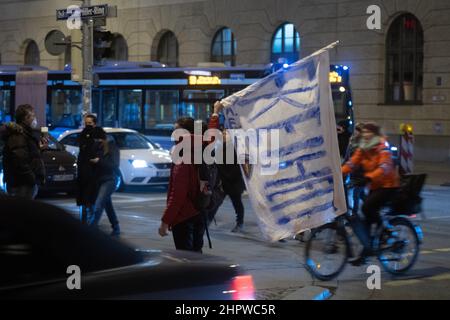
{"points": [[438, 173]]}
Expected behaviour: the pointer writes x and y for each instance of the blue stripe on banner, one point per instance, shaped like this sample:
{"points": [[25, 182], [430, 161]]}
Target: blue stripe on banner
{"points": [[307, 185], [288, 124], [273, 95], [303, 198], [266, 109], [285, 220], [300, 178], [306, 157], [309, 65], [298, 146]]}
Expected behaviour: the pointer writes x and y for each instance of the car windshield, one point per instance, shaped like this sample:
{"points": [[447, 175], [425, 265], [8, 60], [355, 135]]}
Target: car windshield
{"points": [[53, 144], [131, 141]]}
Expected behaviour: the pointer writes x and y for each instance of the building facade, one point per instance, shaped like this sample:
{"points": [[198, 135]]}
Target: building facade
{"points": [[400, 73]]}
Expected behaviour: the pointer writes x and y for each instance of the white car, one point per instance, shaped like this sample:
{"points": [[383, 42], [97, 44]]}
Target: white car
{"points": [[142, 162]]}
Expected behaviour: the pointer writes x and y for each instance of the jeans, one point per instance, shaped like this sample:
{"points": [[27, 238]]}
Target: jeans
{"points": [[26, 192], [371, 209], [104, 202], [86, 214], [236, 200], [373, 203], [358, 195], [188, 235]]}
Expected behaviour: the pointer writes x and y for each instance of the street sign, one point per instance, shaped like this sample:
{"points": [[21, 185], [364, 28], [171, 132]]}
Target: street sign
{"points": [[98, 11]]}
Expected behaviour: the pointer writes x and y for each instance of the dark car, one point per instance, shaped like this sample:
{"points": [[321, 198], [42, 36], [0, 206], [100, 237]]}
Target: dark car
{"points": [[60, 168], [41, 246]]}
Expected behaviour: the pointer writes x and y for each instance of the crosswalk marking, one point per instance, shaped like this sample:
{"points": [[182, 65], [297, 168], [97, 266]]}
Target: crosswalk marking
{"points": [[441, 277], [399, 283], [445, 276]]}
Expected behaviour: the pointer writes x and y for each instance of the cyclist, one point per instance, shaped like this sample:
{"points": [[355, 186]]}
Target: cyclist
{"points": [[376, 161]]}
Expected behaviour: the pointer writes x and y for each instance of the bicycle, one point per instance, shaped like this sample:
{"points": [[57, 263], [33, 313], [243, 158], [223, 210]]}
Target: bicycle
{"points": [[395, 242]]}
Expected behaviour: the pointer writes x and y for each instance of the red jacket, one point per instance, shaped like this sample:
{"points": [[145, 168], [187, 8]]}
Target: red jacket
{"points": [[183, 191], [182, 194]]}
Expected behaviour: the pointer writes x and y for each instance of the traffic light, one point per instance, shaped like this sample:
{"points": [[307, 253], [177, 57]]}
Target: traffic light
{"points": [[102, 45]]}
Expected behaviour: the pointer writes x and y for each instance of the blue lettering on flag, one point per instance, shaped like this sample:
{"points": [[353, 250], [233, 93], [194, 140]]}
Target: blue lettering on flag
{"points": [[303, 198], [307, 185], [309, 212], [289, 123], [298, 146], [307, 157], [300, 178]]}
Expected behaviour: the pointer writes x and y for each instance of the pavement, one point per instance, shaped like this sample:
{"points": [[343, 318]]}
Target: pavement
{"points": [[278, 268], [438, 173]]}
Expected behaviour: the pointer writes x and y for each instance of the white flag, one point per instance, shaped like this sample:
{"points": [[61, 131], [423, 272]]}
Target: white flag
{"points": [[306, 191]]}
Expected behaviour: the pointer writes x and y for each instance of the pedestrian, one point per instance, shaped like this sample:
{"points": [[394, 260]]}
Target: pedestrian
{"points": [[230, 173], [23, 166], [344, 135], [381, 176], [181, 215], [357, 179], [90, 147], [106, 168]]}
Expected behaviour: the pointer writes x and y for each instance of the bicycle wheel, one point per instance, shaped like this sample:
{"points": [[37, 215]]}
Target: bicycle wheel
{"points": [[326, 252], [398, 246]]}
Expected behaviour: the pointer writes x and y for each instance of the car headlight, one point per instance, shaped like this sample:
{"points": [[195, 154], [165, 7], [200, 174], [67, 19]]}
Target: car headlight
{"points": [[139, 164]]}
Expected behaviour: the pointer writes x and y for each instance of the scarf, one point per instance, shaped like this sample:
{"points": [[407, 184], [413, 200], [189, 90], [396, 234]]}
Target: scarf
{"points": [[367, 145]]}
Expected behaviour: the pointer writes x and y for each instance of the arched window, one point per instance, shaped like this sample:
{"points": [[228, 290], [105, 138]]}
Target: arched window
{"points": [[223, 47], [32, 55], [404, 61], [286, 44], [168, 49], [119, 48]]}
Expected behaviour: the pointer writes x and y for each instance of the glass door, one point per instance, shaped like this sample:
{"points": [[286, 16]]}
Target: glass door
{"points": [[198, 104]]}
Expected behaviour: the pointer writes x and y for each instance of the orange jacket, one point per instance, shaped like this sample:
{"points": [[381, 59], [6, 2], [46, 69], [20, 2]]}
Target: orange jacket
{"points": [[377, 165]]}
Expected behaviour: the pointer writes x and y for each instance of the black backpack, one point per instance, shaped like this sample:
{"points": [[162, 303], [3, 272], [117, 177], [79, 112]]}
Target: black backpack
{"points": [[210, 199]]}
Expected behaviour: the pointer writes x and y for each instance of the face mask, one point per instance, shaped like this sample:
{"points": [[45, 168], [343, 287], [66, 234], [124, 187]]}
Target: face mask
{"points": [[89, 127], [34, 124]]}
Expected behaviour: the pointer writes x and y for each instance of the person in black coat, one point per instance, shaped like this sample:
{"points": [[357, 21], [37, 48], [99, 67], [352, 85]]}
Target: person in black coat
{"points": [[23, 166], [90, 148], [106, 169], [232, 182]]}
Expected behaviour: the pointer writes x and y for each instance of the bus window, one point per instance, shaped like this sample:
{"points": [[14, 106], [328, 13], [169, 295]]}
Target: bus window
{"points": [[5, 106], [109, 107], [130, 106], [66, 108], [161, 108], [198, 104]]}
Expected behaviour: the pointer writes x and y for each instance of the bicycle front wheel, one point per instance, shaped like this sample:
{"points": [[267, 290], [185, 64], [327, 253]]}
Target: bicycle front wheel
{"points": [[326, 252], [398, 245]]}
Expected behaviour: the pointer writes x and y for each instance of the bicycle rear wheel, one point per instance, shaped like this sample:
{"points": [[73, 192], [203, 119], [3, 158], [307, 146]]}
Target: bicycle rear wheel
{"points": [[398, 245], [326, 252]]}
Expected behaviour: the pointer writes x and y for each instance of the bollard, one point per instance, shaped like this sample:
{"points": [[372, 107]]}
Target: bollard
{"points": [[406, 149]]}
